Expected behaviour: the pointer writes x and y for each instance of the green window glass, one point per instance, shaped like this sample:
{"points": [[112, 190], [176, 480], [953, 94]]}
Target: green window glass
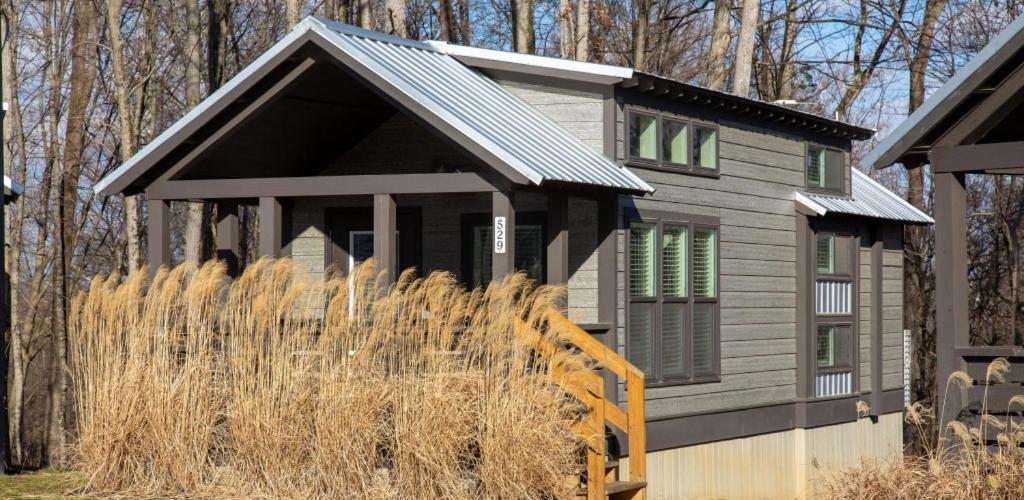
{"points": [[705, 148], [674, 139], [834, 346], [529, 258], [641, 259], [834, 254], [704, 262], [673, 261], [816, 167], [643, 137]]}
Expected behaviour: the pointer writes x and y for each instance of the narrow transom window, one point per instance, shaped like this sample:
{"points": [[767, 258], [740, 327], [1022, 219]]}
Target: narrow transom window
{"points": [[672, 334]]}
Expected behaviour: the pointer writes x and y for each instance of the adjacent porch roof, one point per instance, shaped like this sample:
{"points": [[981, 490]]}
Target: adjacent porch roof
{"points": [[464, 105], [12, 190], [867, 199]]}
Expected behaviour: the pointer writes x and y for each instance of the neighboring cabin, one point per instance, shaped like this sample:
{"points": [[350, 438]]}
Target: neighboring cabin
{"points": [[722, 244]]}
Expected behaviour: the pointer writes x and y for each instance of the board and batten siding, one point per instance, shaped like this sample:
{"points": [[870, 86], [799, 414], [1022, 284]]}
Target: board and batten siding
{"points": [[753, 199]]}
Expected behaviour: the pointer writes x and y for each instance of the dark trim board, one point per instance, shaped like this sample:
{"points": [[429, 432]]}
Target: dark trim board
{"points": [[335, 185], [689, 430]]}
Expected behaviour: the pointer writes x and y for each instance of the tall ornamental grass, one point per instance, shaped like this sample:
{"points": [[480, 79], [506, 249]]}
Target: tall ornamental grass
{"points": [[985, 460], [272, 386]]}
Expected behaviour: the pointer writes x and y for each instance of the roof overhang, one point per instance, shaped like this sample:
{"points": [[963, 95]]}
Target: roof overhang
{"points": [[12, 190], [524, 146], [867, 198], [967, 90], [535, 65]]}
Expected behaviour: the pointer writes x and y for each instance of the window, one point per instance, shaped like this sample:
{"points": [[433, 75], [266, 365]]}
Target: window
{"points": [[530, 248], [685, 145], [672, 288], [833, 297], [643, 137], [825, 169]]}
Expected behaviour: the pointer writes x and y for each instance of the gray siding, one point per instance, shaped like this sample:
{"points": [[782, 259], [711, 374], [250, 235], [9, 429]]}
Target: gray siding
{"points": [[753, 198], [865, 314], [579, 111], [892, 308]]}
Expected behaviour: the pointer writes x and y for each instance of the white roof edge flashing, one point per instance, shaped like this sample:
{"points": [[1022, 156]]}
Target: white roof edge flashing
{"points": [[905, 203], [810, 204], [474, 56]]}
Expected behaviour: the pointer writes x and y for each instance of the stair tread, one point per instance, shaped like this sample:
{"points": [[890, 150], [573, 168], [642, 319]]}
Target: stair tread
{"points": [[613, 487]]}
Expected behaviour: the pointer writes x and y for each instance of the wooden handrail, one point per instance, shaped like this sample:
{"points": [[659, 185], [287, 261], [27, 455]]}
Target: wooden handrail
{"points": [[588, 388]]}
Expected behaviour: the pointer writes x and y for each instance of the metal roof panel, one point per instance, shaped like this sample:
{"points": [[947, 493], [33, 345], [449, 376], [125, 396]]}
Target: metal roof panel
{"points": [[869, 199]]}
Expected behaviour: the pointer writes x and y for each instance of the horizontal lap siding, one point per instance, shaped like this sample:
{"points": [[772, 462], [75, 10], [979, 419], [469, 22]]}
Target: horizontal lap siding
{"points": [[753, 199], [892, 308], [578, 111]]}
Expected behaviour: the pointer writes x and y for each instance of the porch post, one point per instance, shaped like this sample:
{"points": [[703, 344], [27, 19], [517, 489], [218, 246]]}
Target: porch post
{"points": [[558, 238], [270, 226], [159, 222], [503, 227], [951, 323], [385, 245], [228, 248]]}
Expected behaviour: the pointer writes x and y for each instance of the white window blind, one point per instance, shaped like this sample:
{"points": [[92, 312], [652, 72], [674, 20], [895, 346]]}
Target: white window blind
{"points": [[704, 262], [673, 261], [641, 260]]}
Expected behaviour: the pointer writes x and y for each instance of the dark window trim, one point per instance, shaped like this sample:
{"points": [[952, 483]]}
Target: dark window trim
{"points": [[409, 219], [471, 220], [842, 191], [692, 223], [849, 230], [659, 163]]}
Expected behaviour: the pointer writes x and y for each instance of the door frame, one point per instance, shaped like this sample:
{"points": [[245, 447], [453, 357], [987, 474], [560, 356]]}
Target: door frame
{"points": [[409, 224]]}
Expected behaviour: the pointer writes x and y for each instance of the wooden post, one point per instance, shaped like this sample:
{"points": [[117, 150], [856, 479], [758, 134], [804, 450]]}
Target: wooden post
{"points": [[228, 248], [951, 320], [271, 226], [385, 245], [159, 222], [503, 229], [558, 239]]}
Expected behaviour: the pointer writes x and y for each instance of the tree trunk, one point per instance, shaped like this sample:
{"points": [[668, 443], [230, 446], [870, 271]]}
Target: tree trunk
{"points": [[465, 29], [643, 20], [446, 20], [785, 88], [396, 16], [364, 13], [522, 26], [720, 41], [193, 66], [583, 30], [745, 47], [292, 12], [566, 38]]}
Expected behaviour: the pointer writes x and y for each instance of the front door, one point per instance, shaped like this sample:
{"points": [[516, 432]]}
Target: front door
{"points": [[351, 237]]}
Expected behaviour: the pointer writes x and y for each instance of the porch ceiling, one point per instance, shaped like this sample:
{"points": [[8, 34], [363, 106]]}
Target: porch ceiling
{"points": [[325, 86]]}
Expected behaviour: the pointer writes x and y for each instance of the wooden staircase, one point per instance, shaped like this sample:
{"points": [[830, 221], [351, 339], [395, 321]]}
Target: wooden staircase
{"points": [[601, 479]]}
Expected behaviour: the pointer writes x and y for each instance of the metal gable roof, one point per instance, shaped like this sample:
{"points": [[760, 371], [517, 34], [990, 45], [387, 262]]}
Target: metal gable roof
{"points": [[946, 99], [461, 102], [867, 199]]}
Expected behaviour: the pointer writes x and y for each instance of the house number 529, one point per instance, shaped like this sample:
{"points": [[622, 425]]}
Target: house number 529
{"points": [[499, 235]]}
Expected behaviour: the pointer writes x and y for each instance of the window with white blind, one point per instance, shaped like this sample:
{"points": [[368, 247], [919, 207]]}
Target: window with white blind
{"points": [[826, 169], [834, 289], [672, 299]]}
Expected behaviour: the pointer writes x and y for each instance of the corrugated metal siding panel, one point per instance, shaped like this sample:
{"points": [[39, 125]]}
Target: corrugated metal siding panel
{"points": [[870, 199], [833, 384], [834, 297], [473, 103]]}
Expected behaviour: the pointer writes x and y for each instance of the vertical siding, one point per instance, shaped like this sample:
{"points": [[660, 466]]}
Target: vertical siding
{"points": [[753, 198], [778, 465], [892, 308]]}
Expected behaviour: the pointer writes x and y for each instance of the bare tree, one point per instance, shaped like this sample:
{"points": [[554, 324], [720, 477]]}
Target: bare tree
{"points": [[446, 21], [566, 45], [583, 30], [523, 38], [396, 24], [293, 12], [745, 47], [720, 41], [641, 27], [193, 64], [863, 70]]}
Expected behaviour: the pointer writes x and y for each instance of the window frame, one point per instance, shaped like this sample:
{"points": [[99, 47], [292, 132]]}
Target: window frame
{"points": [[851, 320], [824, 189], [692, 223], [659, 163], [477, 219]]}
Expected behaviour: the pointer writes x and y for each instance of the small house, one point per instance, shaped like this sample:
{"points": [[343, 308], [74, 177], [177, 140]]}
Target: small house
{"points": [[723, 245]]}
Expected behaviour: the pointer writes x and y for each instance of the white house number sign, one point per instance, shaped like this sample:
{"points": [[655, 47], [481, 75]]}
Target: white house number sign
{"points": [[499, 235]]}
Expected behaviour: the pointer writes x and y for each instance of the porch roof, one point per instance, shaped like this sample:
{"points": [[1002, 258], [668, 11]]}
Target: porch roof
{"points": [[12, 190], [466, 106], [867, 199]]}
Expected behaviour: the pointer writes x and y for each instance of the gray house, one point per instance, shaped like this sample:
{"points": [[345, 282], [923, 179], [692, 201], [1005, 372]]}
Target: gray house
{"points": [[722, 244]]}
